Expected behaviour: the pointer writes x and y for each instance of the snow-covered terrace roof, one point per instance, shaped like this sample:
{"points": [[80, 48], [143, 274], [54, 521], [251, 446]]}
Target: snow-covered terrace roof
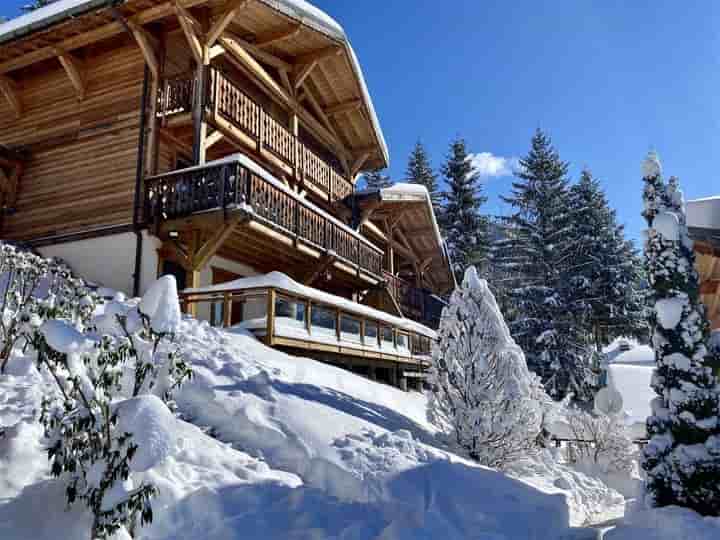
{"points": [[404, 193], [704, 213], [299, 10], [278, 280]]}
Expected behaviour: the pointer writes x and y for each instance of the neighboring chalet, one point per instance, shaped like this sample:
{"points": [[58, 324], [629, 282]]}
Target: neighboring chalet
{"points": [[219, 141], [703, 219]]}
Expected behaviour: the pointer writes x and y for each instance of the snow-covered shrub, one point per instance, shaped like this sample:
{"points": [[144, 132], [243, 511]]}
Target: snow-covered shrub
{"points": [[98, 370], [601, 440], [483, 394], [682, 458], [33, 289]]}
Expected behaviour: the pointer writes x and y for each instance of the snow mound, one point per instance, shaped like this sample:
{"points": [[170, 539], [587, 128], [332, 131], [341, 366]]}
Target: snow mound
{"points": [[64, 338], [669, 523], [152, 426], [160, 303]]}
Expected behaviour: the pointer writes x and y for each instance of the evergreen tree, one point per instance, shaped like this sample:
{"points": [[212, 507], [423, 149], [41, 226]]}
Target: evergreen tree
{"points": [[682, 458], [605, 272], [36, 4], [419, 171], [483, 396], [536, 256], [377, 179], [464, 228]]}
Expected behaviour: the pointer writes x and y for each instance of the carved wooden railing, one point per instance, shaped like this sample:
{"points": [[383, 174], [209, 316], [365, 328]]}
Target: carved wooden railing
{"points": [[177, 95], [416, 303], [227, 185]]}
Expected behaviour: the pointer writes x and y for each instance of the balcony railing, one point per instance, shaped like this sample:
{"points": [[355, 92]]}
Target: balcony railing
{"points": [[418, 304], [225, 186], [225, 99]]}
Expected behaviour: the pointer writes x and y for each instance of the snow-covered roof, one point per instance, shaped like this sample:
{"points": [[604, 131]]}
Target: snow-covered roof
{"points": [[257, 169], [704, 213], [300, 10], [278, 280]]}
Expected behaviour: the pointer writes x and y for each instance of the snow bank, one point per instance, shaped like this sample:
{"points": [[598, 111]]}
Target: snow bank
{"points": [[670, 523], [152, 426], [633, 384]]}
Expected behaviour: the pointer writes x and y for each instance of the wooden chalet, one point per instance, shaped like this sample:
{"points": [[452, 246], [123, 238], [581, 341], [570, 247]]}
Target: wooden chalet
{"points": [[703, 218], [214, 140]]}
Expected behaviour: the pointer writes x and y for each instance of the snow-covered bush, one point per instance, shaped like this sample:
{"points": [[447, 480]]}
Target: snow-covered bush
{"points": [[682, 458], [33, 289], [601, 440], [98, 370], [483, 394]]}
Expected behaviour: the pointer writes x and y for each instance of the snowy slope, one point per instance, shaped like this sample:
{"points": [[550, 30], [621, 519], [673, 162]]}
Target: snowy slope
{"points": [[275, 446]]}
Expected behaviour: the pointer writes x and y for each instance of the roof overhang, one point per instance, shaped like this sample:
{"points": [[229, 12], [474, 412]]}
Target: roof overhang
{"points": [[96, 20], [408, 211]]}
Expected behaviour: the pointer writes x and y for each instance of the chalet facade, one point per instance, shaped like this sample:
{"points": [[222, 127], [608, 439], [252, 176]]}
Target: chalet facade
{"points": [[703, 218], [218, 140]]}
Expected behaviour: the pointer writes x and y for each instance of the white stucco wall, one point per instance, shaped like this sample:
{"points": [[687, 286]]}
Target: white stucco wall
{"points": [[203, 310], [109, 260]]}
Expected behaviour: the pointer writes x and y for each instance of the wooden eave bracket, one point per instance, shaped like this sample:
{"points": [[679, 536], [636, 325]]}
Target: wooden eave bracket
{"points": [[75, 71], [144, 41], [358, 163], [323, 264], [11, 92], [192, 30], [232, 7], [210, 247]]}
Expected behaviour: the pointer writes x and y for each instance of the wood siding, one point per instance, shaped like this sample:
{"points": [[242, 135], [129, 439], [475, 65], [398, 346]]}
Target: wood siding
{"points": [[81, 173]]}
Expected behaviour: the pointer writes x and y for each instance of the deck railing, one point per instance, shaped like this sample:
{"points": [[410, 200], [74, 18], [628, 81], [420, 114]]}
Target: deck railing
{"points": [[226, 98], [416, 303], [281, 314], [227, 185]]}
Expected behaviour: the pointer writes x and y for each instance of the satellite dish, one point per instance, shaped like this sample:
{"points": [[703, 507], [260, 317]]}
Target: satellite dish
{"points": [[608, 401]]}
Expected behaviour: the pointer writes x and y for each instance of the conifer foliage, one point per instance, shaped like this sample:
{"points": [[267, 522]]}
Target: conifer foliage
{"points": [[483, 396], [377, 179], [419, 171], [537, 257], [682, 458], [605, 270], [464, 227]]}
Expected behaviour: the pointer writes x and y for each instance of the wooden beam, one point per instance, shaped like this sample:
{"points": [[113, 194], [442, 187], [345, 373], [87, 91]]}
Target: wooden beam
{"points": [[10, 90], [302, 72], [191, 27], [344, 106], [285, 78], [319, 268], [358, 163], [319, 55], [238, 52], [231, 9], [212, 139], [272, 38], [142, 38], [205, 252], [106, 31], [261, 55]]}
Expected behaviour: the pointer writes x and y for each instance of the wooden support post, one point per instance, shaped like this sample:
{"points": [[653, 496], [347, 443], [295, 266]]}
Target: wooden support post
{"points": [[193, 272], [227, 310], [270, 336]]}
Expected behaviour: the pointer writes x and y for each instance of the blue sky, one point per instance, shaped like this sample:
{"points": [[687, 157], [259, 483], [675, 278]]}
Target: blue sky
{"points": [[607, 79]]}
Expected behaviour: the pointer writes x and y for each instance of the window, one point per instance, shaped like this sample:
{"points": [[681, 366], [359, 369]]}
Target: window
{"points": [[323, 320], [402, 341], [350, 328], [387, 337], [289, 311], [371, 333]]}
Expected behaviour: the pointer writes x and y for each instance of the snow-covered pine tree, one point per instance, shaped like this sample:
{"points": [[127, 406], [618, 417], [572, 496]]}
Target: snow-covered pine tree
{"points": [[483, 396], [463, 226], [419, 171], [605, 270], [682, 458], [377, 179], [536, 257]]}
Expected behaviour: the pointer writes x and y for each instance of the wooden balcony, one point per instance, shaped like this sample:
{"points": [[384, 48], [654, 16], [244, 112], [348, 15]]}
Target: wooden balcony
{"points": [[234, 113], [286, 318], [231, 187], [415, 303]]}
